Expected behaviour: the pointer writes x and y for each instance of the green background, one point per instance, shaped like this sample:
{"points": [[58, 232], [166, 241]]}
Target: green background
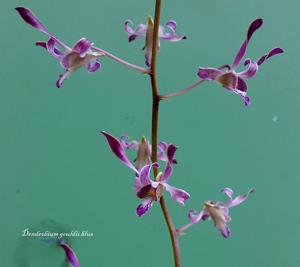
{"points": [[58, 174]]}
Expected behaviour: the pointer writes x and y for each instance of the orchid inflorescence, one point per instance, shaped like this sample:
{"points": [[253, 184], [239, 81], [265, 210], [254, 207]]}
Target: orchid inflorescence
{"points": [[151, 157]]}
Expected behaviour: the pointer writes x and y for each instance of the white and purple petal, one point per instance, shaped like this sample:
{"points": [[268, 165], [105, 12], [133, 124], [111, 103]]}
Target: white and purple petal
{"points": [[52, 49], [170, 160], [195, 218], [119, 151], [239, 199], [93, 65], [82, 47], [140, 30], [228, 191], [177, 194], [250, 71], [70, 254], [144, 207]]}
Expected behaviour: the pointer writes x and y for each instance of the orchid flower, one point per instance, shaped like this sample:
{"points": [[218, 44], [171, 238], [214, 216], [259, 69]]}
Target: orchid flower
{"points": [[235, 81], [71, 257], [150, 191], [71, 59], [217, 211], [146, 189], [143, 149], [146, 31]]}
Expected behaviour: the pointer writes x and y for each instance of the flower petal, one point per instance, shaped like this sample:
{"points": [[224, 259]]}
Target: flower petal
{"points": [[255, 25], [250, 71], [209, 74], [52, 49], [194, 217], [149, 42], [119, 151], [170, 36], [70, 254], [228, 191], [177, 194], [145, 173], [62, 77], [272, 52], [93, 66], [171, 24], [225, 231], [140, 30], [82, 47], [28, 16], [170, 156], [144, 207], [239, 199]]}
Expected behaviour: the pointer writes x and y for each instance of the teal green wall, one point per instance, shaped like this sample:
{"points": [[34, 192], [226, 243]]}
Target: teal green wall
{"points": [[58, 173]]}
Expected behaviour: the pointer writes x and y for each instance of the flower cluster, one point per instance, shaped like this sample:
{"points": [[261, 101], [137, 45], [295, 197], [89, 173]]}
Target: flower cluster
{"points": [[145, 188]]}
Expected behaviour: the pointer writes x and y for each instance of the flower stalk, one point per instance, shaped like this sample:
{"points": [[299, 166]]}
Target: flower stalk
{"points": [[155, 112]]}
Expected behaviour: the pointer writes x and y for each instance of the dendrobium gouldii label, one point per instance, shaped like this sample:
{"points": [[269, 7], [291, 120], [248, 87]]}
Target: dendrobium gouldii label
{"points": [[235, 81], [145, 188], [146, 31], [217, 211], [71, 59]]}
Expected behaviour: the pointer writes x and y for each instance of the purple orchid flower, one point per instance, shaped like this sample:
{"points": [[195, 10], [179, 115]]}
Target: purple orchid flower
{"points": [[235, 81], [146, 31], [217, 211], [150, 191], [71, 59], [146, 189], [143, 149], [71, 257]]}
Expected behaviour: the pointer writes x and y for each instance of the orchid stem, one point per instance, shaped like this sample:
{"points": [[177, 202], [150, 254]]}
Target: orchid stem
{"points": [[181, 92], [155, 109], [115, 58]]}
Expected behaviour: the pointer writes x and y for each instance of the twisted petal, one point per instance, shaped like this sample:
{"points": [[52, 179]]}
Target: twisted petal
{"points": [[171, 149], [28, 16], [171, 35], [144, 207], [82, 47], [239, 199], [140, 30], [272, 52], [209, 74], [177, 194], [62, 77], [195, 218], [93, 66], [250, 71], [255, 25], [53, 50], [117, 148], [70, 254], [228, 191], [225, 231], [129, 144]]}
